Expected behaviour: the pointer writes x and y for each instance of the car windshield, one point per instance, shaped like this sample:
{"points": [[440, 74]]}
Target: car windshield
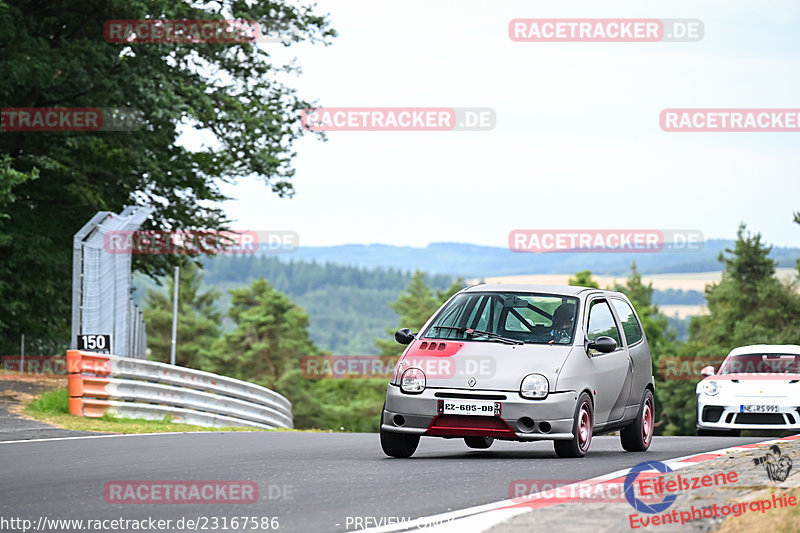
{"points": [[772, 363], [505, 317]]}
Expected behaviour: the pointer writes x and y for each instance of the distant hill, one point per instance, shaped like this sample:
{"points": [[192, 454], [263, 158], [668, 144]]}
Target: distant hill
{"points": [[348, 307], [469, 260]]}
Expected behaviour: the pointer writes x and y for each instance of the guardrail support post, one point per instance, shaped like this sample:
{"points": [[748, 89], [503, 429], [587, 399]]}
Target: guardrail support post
{"points": [[174, 343]]}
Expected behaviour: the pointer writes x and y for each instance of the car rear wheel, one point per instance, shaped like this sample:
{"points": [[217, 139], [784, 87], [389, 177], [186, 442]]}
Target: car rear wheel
{"points": [[637, 436], [582, 429], [479, 443]]}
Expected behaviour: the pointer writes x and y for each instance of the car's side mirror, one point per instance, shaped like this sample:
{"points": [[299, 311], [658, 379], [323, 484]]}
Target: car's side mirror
{"points": [[707, 371], [602, 344], [404, 336]]}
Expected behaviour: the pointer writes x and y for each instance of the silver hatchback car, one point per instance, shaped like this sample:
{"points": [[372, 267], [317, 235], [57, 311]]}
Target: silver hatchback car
{"points": [[525, 363]]}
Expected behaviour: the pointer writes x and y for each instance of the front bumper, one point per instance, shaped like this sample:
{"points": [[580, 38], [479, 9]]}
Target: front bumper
{"points": [[417, 414], [726, 415]]}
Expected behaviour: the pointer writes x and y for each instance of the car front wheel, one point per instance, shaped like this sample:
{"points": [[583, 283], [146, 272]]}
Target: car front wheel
{"points": [[400, 445], [582, 429], [637, 436]]}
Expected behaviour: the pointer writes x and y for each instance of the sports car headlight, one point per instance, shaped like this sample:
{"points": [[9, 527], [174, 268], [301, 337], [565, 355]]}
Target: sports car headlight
{"points": [[710, 388], [534, 386], [413, 381]]}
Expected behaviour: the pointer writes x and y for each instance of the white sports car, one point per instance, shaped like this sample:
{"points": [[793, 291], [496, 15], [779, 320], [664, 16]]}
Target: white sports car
{"points": [[757, 387]]}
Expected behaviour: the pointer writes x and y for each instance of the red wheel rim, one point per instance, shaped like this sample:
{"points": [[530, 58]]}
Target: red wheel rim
{"points": [[584, 426], [647, 421]]}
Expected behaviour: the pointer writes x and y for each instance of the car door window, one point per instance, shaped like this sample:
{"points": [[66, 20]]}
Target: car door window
{"points": [[630, 326], [601, 322]]}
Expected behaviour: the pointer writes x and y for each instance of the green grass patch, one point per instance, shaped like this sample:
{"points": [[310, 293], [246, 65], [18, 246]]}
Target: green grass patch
{"points": [[52, 402]]}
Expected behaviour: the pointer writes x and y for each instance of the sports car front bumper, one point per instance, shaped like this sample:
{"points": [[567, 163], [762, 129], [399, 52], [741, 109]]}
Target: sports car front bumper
{"points": [[713, 414]]}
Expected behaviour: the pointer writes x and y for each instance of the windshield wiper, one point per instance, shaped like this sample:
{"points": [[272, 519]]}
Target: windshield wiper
{"points": [[470, 331]]}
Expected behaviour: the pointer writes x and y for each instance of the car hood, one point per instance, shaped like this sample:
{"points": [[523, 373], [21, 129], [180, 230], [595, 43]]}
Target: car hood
{"points": [[492, 365]]}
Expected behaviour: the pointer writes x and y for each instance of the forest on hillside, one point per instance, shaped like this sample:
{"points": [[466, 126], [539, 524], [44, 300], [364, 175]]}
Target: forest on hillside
{"points": [[348, 307]]}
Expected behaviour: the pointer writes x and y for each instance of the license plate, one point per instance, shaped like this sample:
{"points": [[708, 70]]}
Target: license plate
{"points": [[469, 407], [758, 409]]}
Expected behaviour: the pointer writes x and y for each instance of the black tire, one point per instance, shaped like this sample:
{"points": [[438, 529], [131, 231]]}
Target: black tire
{"points": [[479, 443], [639, 434], [718, 432], [400, 445], [582, 429]]}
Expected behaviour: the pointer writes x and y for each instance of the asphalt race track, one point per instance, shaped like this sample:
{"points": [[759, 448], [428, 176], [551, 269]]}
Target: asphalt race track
{"points": [[309, 481], [16, 427]]}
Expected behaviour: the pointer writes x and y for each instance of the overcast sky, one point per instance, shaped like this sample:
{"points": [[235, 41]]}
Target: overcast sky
{"points": [[577, 142]]}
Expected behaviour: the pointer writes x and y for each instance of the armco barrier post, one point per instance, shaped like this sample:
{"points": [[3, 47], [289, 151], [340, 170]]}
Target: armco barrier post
{"points": [[78, 385]]}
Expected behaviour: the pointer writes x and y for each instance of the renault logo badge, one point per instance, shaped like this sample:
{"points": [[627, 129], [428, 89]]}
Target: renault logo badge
{"points": [[471, 382]]}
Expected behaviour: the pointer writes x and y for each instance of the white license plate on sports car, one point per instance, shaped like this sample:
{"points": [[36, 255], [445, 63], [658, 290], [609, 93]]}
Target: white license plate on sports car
{"points": [[469, 407], [758, 409]]}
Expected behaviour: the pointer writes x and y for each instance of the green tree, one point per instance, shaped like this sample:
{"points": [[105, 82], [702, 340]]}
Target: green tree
{"points": [[444, 295], [415, 306], [53, 54], [199, 322], [267, 347], [270, 338], [336, 404], [583, 279], [749, 305], [797, 221], [9, 178], [655, 323]]}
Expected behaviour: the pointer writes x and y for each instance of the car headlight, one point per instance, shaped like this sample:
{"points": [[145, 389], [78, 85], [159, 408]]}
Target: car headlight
{"points": [[710, 388], [413, 381], [534, 386]]}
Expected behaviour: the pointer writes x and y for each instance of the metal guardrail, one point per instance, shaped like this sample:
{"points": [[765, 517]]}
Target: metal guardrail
{"points": [[132, 388]]}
